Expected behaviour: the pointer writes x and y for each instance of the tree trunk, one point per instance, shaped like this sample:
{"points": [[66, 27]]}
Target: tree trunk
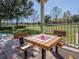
{"points": [[33, 23], [17, 22], [21, 21], [7, 23], [56, 17], [0, 23], [12, 21]]}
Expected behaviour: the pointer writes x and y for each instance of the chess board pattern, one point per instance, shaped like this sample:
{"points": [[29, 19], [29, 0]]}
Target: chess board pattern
{"points": [[44, 37]]}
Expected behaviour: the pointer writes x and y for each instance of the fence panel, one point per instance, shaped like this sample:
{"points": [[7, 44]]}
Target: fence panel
{"points": [[71, 29]]}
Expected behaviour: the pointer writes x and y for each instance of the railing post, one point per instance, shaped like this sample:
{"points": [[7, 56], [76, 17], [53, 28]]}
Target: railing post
{"points": [[78, 35]]}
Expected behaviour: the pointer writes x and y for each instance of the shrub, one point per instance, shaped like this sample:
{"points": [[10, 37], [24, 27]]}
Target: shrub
{"points": [[20, 26], [6, 31], [6, 28], [30, 32]]}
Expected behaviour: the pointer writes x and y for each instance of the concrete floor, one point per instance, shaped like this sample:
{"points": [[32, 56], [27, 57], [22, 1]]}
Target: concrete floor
{"points": [[8, 51], [11, 53]]}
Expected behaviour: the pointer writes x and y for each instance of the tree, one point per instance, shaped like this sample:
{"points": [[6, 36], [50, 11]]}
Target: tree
{"points": [[1, 17], [46, 18], [34, 16], [75, 18], [15, 9], [2, 11], [67, 17], [56, 12]]}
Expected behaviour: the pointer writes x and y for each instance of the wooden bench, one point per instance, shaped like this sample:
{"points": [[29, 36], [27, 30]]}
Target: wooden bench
{"points": [[70, 57], [59, 33], [23, 45], [20, 35]]}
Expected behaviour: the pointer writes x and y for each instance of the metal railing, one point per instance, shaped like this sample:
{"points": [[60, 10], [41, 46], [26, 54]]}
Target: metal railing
{"points": [[72, 32]]}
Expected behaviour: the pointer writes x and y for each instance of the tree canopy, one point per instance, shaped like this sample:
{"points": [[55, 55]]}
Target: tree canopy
{"points": [[56, 13], [67, 17], [46, 18], [75, 18], [10, 9]]}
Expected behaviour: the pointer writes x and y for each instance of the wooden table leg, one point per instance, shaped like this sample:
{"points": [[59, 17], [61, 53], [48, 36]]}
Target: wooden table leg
{"points": [[43, 54], [25, 54], [56, 49]]}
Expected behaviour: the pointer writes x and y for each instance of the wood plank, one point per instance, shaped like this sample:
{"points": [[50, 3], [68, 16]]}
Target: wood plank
{"points": [[70, 57], [23, 48]]}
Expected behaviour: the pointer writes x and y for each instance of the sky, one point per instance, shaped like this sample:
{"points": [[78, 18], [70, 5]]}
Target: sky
{"points": [[64, 5]]}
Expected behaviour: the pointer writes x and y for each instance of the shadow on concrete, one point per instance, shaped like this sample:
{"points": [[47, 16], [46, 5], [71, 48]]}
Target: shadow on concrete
{"points": [[58, 56]]}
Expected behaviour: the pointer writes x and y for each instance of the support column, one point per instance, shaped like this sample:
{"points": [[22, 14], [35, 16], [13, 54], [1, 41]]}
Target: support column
{"points": [[43, 54], [42, 16]]}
